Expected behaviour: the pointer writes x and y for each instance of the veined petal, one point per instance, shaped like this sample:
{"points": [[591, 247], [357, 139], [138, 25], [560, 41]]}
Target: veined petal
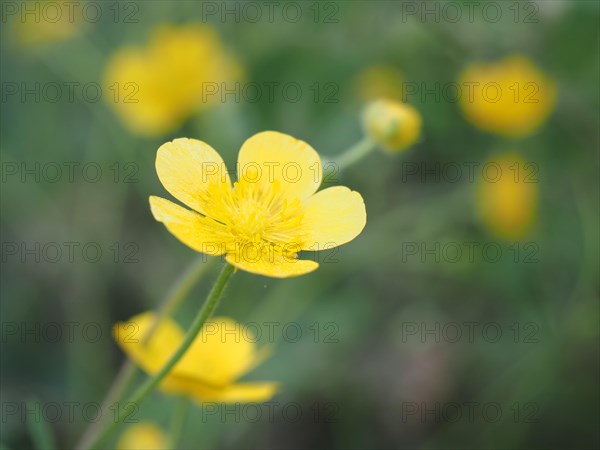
{"points": [[276, 266], [332, 217], [197, 232], [270, 156], [154, 353], [187, 167]]}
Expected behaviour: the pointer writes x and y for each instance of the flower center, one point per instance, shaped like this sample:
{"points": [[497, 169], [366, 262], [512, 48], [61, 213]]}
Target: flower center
{"points": [[257, 214]]}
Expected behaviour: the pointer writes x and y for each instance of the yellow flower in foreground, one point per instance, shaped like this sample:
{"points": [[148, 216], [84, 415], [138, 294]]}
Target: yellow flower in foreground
{"points": [[511, 97], [142, 436], [507, 196], [394, 125], [379, 81], [155, 88], [269, 214], [222, 353]]}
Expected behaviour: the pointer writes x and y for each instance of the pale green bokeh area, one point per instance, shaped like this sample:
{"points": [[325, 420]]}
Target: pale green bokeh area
{"points": [[374, 370]]}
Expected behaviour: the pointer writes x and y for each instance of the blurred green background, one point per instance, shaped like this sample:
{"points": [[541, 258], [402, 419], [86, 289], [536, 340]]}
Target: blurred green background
{"points": [[374, 371]]}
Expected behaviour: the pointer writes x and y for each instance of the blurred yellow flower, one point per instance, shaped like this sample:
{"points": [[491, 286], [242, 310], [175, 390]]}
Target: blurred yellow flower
{"points": [[142, 436], [164, 83], [393, 125], [507, 196], [270, 214], [379, 81], [511, 97], [222, 353]]}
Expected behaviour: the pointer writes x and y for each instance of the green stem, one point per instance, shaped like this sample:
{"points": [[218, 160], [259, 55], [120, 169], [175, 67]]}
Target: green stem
{"points": [[355, 153], [181, 410], [143, 391], [181, 288]]}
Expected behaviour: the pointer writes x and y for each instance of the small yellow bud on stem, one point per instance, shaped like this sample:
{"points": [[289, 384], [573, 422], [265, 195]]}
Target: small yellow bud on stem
{"points": [[395, 126]]}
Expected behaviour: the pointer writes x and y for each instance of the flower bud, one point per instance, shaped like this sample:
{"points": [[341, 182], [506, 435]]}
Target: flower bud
{"points": [[393, 125]]}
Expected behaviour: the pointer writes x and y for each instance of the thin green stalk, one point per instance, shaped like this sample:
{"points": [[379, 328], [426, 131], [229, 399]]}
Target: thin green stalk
{"points": [[181, 288], [178, 421], [354, 154], [140, 394]]}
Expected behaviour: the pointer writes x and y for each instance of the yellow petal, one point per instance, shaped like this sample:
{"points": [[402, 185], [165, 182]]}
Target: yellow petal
{"points": [[270, 156], [332, 217], [272, 266], [197, 232], [223, 351], [234, 393], [241, 392], [187, 168], [154, 353]]}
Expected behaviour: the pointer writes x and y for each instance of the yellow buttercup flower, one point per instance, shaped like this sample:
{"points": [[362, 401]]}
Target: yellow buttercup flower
{"points": [[142, 436], [511, 97], [157, 87], [393, 125], [269, 214], [222, 353], [507, 196], [379, 81]]}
